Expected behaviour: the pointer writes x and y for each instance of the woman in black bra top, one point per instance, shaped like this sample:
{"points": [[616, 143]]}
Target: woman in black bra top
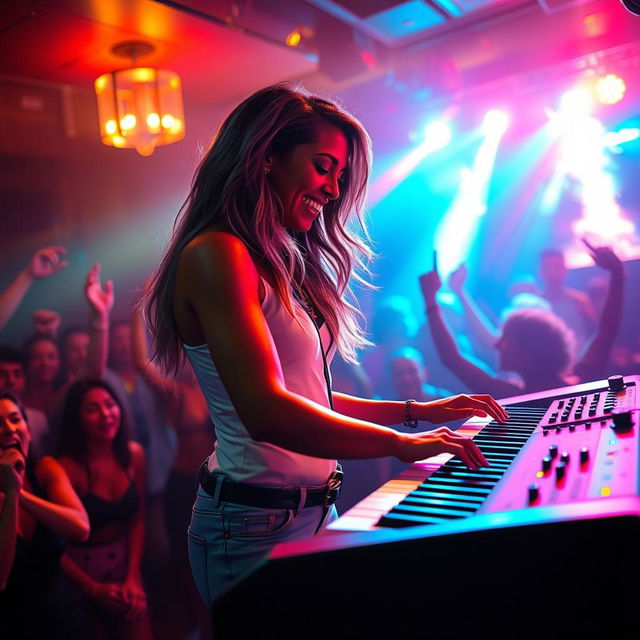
{"points": [[107, 471]]}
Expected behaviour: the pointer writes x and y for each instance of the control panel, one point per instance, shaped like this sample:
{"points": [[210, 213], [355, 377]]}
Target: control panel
{"points": [[586, 447]]}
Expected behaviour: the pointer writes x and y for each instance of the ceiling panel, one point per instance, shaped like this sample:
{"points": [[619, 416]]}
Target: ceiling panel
{"points": [[406, 19], [70, 41]]}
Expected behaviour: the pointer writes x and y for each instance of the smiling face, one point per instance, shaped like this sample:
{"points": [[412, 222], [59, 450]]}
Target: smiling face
{"points": [[14, 431], [309, 176], [99, 414]]}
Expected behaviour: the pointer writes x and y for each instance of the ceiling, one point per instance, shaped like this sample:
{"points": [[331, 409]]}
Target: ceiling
{"points": [[224, 48]]}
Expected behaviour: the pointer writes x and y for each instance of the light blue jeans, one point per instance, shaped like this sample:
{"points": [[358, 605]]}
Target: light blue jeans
{"points": [[226, 540]]}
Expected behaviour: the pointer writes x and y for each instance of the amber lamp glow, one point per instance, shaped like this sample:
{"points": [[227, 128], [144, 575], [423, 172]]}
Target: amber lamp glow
{"points": [[139, 107]]}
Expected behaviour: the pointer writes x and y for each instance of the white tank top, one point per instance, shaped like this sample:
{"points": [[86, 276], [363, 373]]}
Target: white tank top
{"points": [[236, 454]]}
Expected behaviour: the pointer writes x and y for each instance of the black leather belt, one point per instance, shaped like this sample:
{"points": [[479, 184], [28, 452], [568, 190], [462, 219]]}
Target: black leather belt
{"points": [[252, 495]]}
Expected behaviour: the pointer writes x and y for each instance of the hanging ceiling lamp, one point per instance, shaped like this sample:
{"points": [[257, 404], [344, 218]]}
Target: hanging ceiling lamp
{"points": [[139, 107]]}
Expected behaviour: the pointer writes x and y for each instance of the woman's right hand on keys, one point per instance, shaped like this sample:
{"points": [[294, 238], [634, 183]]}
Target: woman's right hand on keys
{"points": [[418, 446]]}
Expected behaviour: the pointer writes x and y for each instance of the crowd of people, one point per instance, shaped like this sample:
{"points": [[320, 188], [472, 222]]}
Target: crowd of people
{"points": [[111, 448], [103, 438]]}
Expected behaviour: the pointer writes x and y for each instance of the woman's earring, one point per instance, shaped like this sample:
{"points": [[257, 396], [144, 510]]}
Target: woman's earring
{"points": [[266, 170]]}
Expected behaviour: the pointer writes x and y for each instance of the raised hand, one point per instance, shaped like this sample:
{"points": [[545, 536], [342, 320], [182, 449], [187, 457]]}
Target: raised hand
{"points": [[45, 262], [430, 283], [459, 407], [457, 279], [101, 300], [46, 322], [441, 440], [605, 258]]}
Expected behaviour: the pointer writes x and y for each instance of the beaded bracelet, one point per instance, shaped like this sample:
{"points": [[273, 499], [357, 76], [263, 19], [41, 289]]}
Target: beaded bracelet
{"points": [[408, 419]]}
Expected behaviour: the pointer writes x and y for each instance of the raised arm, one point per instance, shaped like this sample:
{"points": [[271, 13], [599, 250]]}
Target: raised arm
{"points": [[481, 329], [217, 289], [592, 365], [471, 375], [44, 263], [100, 303], [147, 369]]}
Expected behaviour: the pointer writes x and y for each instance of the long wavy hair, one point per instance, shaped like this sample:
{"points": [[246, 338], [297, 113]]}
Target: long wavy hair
{"points": [[73, 439], [231, 191]]}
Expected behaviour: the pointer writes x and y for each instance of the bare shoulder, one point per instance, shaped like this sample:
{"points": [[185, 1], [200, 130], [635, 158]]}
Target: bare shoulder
{"points": [[214, 250], [216, 264]]}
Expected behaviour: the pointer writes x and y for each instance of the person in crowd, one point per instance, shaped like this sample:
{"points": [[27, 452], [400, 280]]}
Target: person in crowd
{"points": [[410, 377], [573, 306], [107, 470], [393, 325], [185, 405], [253, 289], [150, 428], [44, 263], [149, 424], [39, 512], [482, 331], [350, 378], [534, 343], [74, 351], [46, 383], [13, 379]]}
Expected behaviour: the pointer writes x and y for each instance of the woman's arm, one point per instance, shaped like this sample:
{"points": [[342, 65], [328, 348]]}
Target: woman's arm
{"points": [[480, 327], [147, 369], [44, 263], [594, 361], [390, 412], [471, 375], [132, 590], [63, 512], [218, 281], [136, 530], [11, 479], [100, 302]]}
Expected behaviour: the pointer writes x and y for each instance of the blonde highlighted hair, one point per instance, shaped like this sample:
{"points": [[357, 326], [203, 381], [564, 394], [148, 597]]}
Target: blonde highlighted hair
{"points": [[231, 191]]}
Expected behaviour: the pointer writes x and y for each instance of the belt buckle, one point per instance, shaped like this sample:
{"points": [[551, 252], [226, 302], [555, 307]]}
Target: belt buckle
{"points": [[333, 487]]}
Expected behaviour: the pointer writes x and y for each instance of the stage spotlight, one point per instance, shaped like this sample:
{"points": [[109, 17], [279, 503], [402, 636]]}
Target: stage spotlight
{"points": [[576, 103], [610, 89], [437, 134], [495, 122]]}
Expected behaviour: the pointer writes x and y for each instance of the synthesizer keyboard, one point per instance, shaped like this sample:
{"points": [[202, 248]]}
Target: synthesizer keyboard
{"points": [[541, 544], [566, 448]]}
